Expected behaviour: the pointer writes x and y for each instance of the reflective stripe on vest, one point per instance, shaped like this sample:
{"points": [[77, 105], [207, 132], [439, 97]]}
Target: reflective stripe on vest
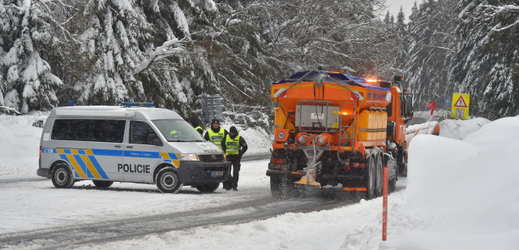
{"points": [[232, 146], [216, 138]]}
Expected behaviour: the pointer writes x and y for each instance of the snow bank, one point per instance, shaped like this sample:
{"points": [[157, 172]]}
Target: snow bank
{"points": [[465, 192], [19, 144], [458, 129]]}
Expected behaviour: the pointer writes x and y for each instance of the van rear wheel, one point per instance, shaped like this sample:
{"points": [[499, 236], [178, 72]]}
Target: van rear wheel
{"points": [[103, 184], [168, 181], [62, 177]]}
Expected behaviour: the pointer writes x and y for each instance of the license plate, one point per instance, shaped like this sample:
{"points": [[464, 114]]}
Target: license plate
{"points": [[216, 173]]}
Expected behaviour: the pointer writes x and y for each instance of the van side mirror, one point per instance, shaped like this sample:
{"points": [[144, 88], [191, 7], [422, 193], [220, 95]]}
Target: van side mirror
{"points": [[154, 140]]}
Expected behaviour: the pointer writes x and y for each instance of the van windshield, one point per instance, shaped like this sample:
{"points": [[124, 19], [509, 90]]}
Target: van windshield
{"points": [[178, 131]]}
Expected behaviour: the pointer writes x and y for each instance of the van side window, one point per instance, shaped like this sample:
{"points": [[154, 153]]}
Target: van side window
{"points": [[88, 130], [107, 130], [139, 132], [70, 130]]}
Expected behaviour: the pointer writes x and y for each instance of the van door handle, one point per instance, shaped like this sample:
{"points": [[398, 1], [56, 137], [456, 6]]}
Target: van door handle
{"points": [[117, 146], [129, 146]]}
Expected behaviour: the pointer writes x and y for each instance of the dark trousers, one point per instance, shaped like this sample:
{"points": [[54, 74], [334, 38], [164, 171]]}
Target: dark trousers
{"points": [[232, 180]]}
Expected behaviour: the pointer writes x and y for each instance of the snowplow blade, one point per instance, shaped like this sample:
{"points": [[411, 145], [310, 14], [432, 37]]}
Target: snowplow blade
{"points": [[308, 181]]}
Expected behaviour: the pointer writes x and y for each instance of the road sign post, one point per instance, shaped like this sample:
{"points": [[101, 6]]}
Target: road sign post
{"points": [[212, 107], [460, 106]]}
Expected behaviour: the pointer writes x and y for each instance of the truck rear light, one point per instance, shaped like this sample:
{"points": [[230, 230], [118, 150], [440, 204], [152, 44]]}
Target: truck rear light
{"points": [[356, 165], [40, 151], [279, 161]]}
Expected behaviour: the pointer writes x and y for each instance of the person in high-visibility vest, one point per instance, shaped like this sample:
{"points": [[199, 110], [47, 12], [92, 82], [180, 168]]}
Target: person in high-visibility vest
{"points": [[216, 134], [194, 123], [234, 146]]}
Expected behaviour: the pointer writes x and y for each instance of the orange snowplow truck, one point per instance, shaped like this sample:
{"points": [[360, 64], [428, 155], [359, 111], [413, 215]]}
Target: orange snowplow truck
{"points": [[334, 129]]}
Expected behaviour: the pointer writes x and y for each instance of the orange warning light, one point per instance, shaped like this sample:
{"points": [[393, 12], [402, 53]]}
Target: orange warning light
{"points": [[372, 80]]}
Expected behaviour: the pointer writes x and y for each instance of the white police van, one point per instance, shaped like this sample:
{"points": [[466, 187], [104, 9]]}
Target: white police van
{"points": [[128, 144]]}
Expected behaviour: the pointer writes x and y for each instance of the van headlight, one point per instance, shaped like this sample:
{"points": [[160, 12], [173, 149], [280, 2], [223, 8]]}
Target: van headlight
{"points": [[189, 157]]}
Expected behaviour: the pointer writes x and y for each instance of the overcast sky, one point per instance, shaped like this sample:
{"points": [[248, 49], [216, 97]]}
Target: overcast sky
{"points": [[407, 5]]}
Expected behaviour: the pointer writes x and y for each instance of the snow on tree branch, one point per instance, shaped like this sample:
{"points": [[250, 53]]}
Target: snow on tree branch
{"points": [[229, 82], [501, 10], [162, 51], [506, 27]]}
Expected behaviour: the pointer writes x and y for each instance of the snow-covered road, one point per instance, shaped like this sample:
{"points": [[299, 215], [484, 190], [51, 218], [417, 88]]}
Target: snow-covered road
{"points": [[37, 215]]}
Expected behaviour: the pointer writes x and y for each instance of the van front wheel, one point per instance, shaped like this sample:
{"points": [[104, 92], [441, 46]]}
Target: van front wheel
{"points": [[208, 188], [62, 177], [103, 184], [168, 181]]}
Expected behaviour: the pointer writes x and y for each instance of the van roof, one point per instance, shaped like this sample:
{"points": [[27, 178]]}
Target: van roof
{"points": [[113, 112]]}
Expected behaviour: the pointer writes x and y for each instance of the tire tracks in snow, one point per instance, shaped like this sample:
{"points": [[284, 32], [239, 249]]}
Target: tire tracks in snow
{"points": [[131, 228]]}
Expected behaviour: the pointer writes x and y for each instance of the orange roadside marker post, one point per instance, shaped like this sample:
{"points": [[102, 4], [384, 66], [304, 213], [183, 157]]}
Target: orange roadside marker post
{"points": [[384, 211]]}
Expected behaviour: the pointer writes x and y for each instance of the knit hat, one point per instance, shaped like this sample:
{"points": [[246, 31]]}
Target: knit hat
{"points": [[215, 121], [233, 130], [193, 121]]}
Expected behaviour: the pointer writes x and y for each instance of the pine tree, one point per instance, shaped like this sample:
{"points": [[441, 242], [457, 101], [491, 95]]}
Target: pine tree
{"points": [[486, 59], [387, 19], [306, 34], [25, 32], [426, 60], [172, 51], [400, 22]]}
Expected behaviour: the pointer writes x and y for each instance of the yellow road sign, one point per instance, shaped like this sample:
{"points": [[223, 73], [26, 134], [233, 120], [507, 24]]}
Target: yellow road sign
{"points": [[460, 106]]}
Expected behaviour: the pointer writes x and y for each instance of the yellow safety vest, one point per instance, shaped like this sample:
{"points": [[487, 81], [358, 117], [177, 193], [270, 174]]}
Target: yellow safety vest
{"points": [[232, 145], [216, 138]]}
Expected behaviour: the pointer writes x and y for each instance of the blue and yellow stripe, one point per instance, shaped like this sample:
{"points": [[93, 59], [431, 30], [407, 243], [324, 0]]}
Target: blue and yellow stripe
{"points": [[85, 164], [171, 158]]}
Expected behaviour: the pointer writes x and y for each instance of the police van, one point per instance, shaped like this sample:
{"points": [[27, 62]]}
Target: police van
{"points": [[128, 144]]}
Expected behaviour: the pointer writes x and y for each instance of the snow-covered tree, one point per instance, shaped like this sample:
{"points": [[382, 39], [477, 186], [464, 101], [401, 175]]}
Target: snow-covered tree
{"points": [[487, 57], [426, 54], [173, 51], [340, 35], [28, 80], [400, 22]]}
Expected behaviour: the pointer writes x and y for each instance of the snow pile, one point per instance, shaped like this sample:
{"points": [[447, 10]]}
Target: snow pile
{"points": [[458, 129], [19, 144], [460, 193], [466, 191], [422, 128]]}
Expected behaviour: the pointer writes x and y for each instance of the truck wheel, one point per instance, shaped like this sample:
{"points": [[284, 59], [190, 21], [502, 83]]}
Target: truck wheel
{"points": [[103, 184], [370, 178], [392, 185], [379, 176], [208, 188], [62, 177], [168, 181], [402, 165], [281, 188]]}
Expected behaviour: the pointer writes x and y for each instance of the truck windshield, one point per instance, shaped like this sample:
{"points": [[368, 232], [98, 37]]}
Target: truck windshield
{"points": [[178, 131]]}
